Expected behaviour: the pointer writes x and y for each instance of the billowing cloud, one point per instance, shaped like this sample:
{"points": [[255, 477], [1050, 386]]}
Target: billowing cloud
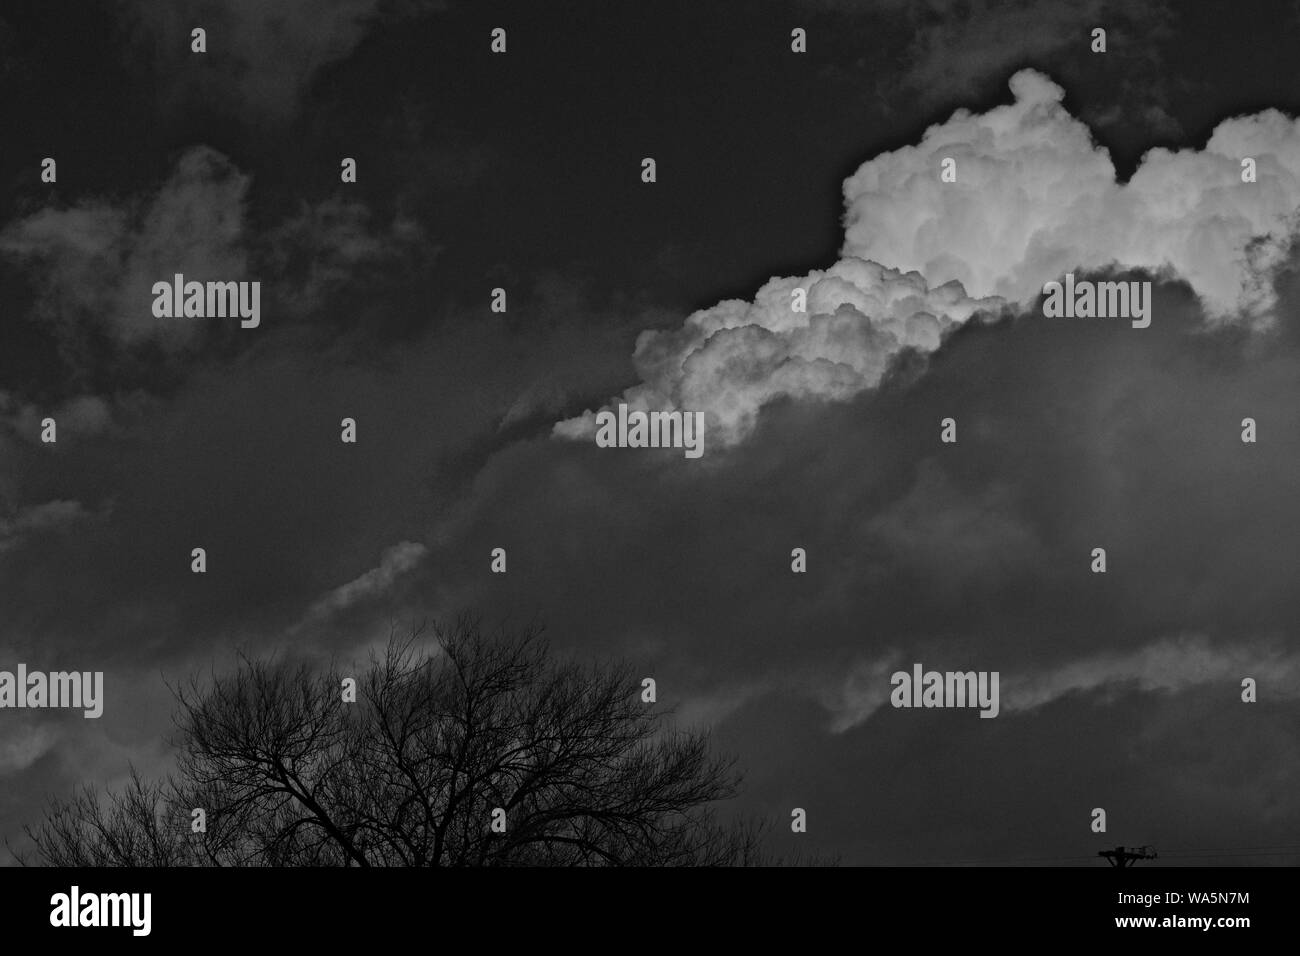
{"points": [[1034, 198], [729, 360]]}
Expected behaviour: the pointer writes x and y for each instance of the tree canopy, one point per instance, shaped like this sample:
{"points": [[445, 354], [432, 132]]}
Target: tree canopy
{"points": [[463, 750]]}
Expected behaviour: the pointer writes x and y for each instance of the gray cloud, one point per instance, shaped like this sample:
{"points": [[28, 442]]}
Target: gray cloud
{"points": [[262, 57], [324, 247], [1072, 435], [98, 260], [94, 263], [34, 519]]}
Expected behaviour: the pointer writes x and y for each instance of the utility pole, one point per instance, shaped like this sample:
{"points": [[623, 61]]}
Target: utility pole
{"points": [[1121, 857]]}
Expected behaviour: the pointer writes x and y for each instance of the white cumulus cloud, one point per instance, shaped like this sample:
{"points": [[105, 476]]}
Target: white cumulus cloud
{"points": [[729, 360], [1035, 197]]}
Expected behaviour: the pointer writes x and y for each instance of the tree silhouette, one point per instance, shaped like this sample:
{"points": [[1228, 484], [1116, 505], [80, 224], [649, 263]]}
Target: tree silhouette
{"points": [[442, 739]]}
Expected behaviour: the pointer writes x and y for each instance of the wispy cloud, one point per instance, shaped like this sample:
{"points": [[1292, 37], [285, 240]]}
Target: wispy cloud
{"points": [[261, 57], [373, 584]]}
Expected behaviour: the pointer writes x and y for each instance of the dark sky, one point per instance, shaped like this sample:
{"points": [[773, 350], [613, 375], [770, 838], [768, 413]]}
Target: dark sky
{"points": [[522, 171]]}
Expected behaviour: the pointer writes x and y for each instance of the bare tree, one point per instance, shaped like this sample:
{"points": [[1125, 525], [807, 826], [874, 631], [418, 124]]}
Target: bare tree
{"points": [[467, 752]]}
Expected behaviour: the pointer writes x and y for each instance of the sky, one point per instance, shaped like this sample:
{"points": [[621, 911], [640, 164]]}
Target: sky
{"points": [[775, 171]]}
